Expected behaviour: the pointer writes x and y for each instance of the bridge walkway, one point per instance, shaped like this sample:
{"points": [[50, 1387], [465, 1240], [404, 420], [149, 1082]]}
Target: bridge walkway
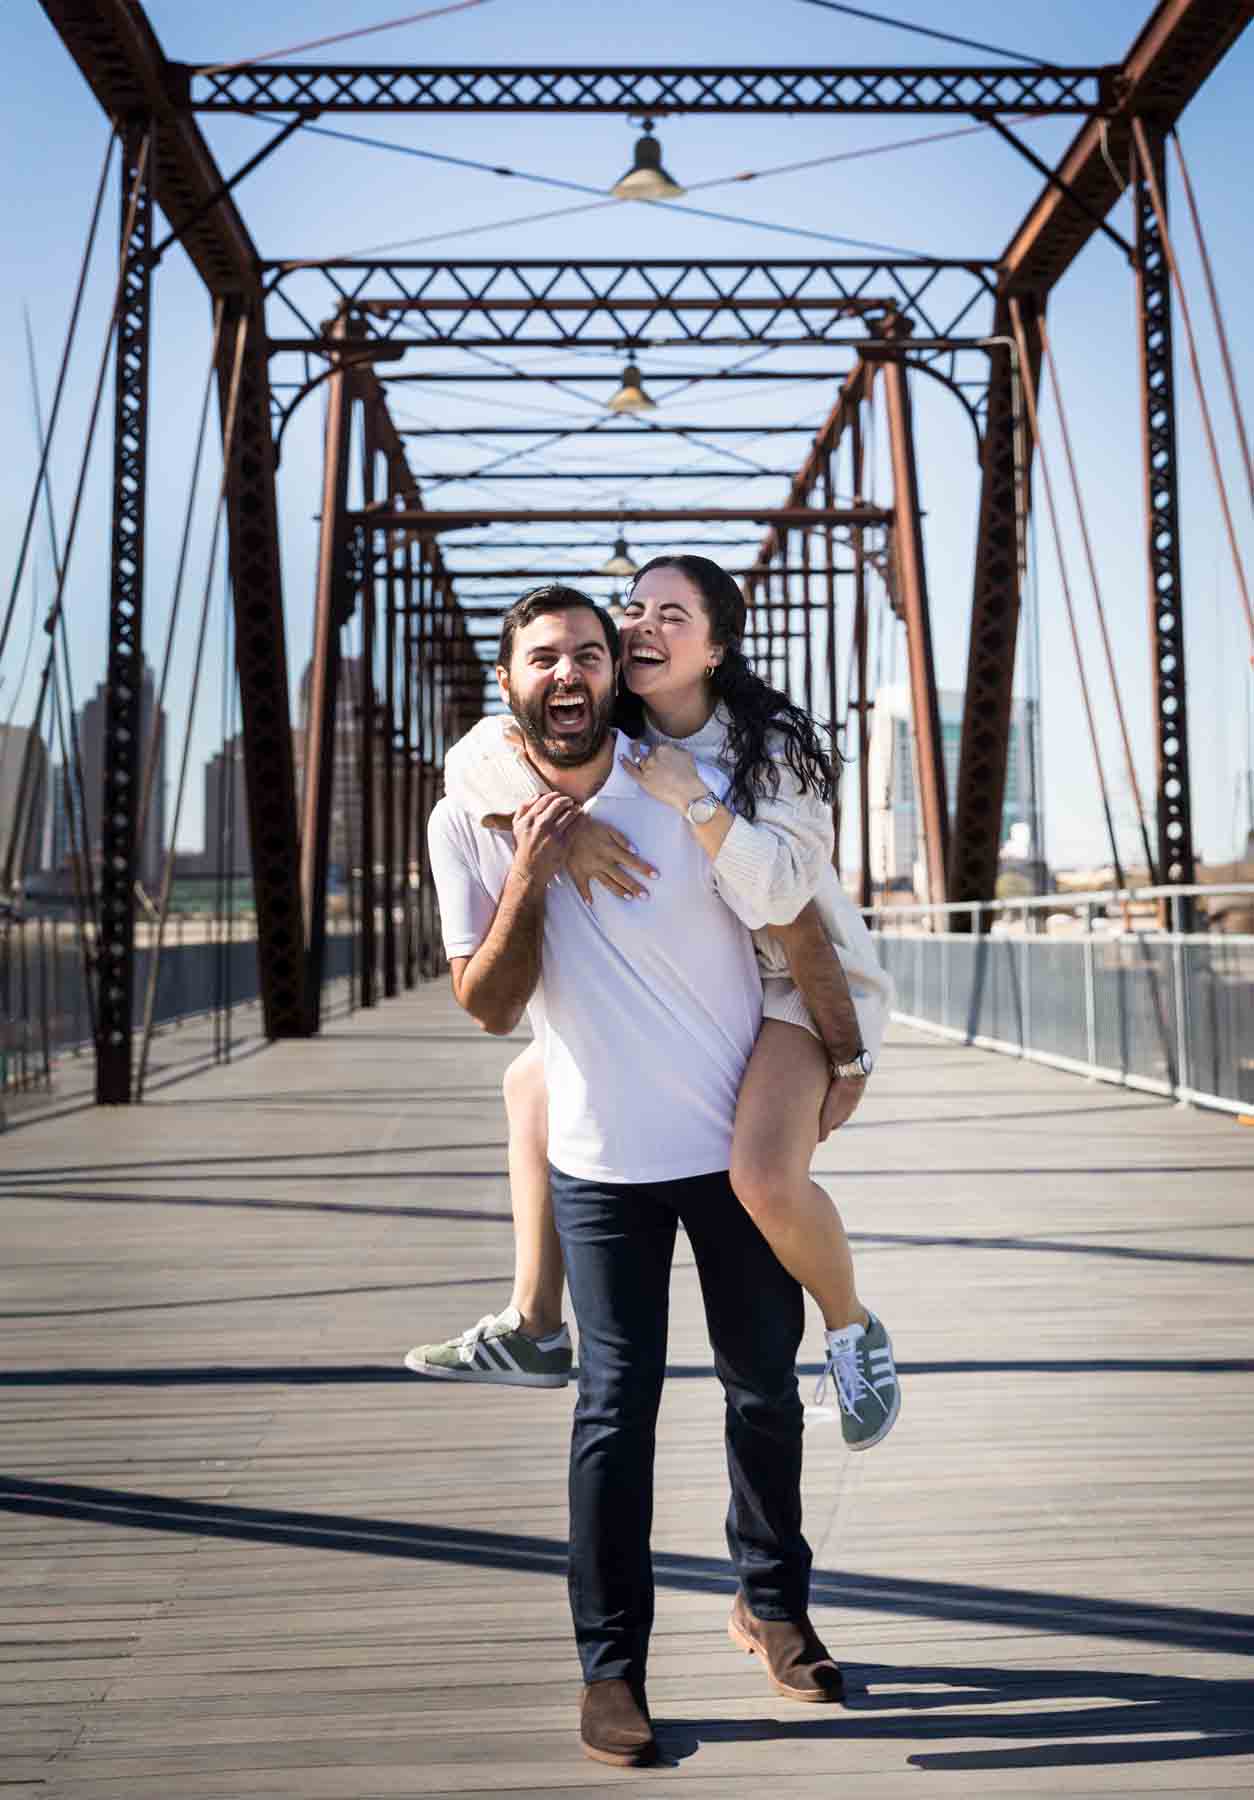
{"points": [[244, 1554]]}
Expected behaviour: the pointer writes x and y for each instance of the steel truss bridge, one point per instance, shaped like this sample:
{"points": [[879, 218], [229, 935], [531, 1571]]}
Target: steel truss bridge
{"points": [[360, 328]]}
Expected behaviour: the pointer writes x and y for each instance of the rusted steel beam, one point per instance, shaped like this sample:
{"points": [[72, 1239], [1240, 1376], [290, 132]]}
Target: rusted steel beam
{"points": [[331, 607], [924, 704], [732, 471], [780, 301], [261, 662], [367, 721], [860, 642], [660, 91], [826, 438], [1000, 561], [1180, 45], [429, 521], [558, 573], [118, 53], [124, 680], [641, 433]]}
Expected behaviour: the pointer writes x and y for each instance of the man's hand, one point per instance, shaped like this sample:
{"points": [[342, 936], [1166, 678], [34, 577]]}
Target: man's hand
{"points": [[839, 1104], [540, 838]]}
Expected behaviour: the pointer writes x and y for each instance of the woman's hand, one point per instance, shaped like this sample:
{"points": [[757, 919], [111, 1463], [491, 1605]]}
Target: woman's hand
{"points": [[596, 852], [665, 773]]}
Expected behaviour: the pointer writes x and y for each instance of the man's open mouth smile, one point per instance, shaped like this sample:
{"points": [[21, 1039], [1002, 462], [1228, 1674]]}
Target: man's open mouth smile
{"points": [[567, 712]]}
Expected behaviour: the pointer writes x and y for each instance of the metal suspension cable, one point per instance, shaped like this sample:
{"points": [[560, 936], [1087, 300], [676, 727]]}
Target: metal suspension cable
{"points": [[570, 212], [167, 874], [72, 764], [1220, 329], [574, 187], [944, 37], [1160, 212], [154, 737], [1081, 512], [71, 331], [341, 37], [94, 415], [1029, 396]]}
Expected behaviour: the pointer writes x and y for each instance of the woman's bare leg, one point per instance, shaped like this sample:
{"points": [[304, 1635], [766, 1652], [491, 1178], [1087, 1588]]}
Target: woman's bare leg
{"points": [[777, 1122], [538, 1272]]}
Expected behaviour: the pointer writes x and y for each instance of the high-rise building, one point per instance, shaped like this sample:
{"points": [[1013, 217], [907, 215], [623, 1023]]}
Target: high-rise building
{"points": [[25, 788], [345, 845], [227, 846], [91, 738], [896, 817]]}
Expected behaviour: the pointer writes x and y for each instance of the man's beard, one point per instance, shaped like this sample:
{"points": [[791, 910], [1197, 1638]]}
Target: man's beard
{"points": [[565, 752]]}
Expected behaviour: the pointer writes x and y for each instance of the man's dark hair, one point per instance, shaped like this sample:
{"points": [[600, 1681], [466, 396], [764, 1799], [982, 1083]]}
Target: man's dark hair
{"points": [[552, 598]]}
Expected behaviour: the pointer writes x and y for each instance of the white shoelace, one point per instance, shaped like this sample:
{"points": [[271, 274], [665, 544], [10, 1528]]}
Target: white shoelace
{"points": [[849, 1382], [470, 1340]]}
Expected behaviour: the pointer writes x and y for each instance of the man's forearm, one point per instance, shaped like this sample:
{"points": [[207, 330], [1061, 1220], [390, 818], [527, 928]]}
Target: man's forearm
{"points": [[501, 976], [817, 971]]}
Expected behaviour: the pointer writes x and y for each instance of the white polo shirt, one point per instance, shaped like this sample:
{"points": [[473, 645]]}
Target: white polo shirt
{"points": [[647, 1009]]}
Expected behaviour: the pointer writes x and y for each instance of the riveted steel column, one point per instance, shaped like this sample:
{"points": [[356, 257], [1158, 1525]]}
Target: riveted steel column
{"points": [[324, 680], [125, 669], [367, 723], [392, 739], [411, 849], [860, 658], [1000, 560], [1158, 398]]}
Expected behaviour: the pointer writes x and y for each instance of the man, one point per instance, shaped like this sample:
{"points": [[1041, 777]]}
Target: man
{"points": [[648, 1015]]}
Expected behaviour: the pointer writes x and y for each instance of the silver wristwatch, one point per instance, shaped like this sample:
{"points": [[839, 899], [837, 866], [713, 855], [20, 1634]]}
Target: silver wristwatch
{"points": [[857, 1070], [701, 810]]}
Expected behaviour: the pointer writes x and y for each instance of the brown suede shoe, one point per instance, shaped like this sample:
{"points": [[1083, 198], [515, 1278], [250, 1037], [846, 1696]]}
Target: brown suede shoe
{"points": [[614, 1725], [797, 1664]]}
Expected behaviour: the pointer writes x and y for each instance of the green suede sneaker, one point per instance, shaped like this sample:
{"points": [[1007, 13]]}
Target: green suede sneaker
{"points": [[497, 1350], [864, 1375]]}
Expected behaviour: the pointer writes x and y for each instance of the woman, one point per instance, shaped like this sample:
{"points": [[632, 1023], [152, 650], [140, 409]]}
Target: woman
{"points": [[691, 694]]}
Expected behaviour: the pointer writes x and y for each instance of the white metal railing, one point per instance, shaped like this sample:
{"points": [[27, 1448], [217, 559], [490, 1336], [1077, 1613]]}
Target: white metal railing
{"points": [[1170, 1011]]}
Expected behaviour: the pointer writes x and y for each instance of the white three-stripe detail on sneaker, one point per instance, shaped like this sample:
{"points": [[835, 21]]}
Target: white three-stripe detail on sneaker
{"points": [[483, 1354]]}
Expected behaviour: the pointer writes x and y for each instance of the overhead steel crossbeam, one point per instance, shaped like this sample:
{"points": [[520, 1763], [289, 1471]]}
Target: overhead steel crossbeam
{"points": [[549, 303], [428, 522], [641, 433], [403, 88]]}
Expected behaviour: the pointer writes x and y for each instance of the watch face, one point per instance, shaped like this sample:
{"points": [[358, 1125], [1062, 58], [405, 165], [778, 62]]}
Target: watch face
{"points": [[702, 809]]}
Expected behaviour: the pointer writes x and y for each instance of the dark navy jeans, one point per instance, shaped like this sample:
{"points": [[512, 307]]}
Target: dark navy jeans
{"points": [[617, 1241]]}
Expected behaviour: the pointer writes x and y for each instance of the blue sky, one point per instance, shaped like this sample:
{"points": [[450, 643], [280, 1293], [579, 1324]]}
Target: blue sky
{"points": [[959, 198]]}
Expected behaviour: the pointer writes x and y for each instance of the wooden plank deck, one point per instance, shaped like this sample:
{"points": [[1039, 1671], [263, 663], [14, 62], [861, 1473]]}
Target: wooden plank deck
{"points": [[242, 1553]]}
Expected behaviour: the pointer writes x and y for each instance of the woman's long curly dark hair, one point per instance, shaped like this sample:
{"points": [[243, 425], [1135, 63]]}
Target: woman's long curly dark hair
{"points": [[757, 711]]}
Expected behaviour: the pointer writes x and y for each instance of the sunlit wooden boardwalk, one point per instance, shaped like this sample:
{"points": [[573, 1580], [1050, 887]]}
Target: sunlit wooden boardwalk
{"points": [[242, 1553]]}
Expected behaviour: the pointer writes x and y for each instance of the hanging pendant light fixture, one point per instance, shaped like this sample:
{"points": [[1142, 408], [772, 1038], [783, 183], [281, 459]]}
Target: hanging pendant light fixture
{"points": [[631, 397], [620, 563], [647, 179]]}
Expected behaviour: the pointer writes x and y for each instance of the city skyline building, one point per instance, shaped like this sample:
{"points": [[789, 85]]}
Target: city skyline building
{"points": [[896, 826], [23, 755], [91, 738]]}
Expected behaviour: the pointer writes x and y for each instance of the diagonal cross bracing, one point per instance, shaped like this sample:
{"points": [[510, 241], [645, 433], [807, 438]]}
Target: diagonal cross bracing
{"points": [[358, 88]]}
